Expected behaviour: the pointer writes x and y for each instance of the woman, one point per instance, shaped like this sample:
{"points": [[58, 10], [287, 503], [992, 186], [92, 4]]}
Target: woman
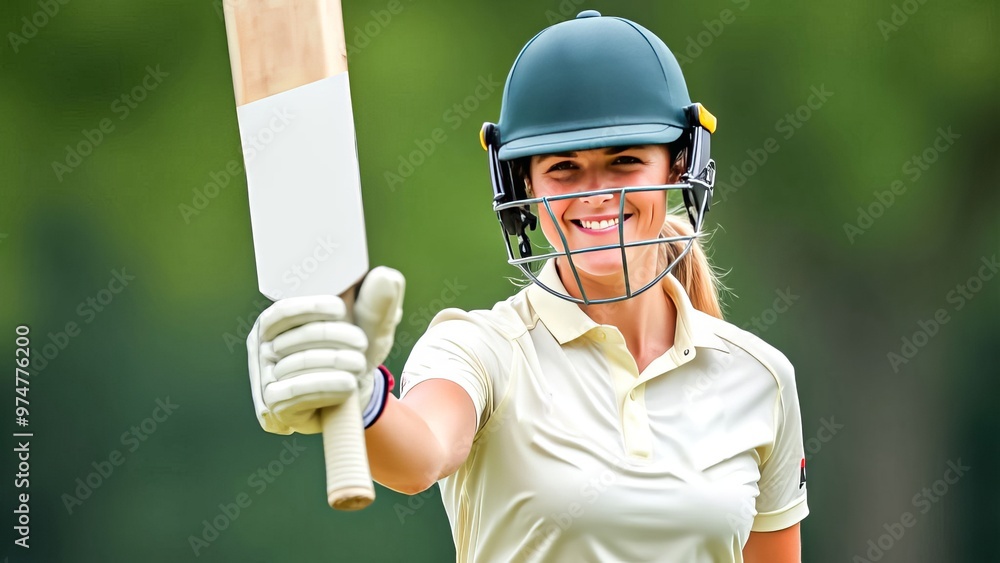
{"points": [[606, 412]]}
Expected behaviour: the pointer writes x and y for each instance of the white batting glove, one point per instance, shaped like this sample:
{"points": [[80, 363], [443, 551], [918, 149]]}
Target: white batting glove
{"points": [[303, 355]]}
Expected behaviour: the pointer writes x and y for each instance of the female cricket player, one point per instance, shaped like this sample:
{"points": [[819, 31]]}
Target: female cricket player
{"points": [[606, 412]]}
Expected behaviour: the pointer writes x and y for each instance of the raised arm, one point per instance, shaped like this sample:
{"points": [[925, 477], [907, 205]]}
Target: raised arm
{"points": [[304, 356]]}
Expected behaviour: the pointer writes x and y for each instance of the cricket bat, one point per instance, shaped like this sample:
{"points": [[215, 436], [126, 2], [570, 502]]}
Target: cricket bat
{"points": [[289, 63]]}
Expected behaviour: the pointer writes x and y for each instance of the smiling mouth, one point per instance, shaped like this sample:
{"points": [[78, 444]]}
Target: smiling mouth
{"points": [[599, 226]]}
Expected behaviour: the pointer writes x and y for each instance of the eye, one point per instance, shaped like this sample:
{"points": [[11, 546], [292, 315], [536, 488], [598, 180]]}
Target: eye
{"points": [[562, 165], [626, 159]]}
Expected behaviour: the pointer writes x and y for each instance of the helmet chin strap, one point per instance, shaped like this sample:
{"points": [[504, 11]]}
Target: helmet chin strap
{"points": [[515, 220]]}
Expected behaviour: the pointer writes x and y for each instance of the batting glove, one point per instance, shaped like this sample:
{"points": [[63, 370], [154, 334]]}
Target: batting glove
{"points": [[303, 355]]}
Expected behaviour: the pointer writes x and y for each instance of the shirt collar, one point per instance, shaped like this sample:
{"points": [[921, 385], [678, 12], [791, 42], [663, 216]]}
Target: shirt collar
{"points": [[567, 322]]}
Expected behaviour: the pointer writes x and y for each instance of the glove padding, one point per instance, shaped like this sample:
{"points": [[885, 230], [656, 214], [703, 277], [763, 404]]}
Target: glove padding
{"points": [[304, 356]]}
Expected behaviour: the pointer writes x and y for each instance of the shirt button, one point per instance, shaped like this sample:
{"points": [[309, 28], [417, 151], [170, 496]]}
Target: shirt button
{"points": [[631, 394], [601, 335]]}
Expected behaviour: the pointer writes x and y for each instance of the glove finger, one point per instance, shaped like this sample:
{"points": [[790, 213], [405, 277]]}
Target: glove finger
{"points": [[380, 299], [379, 308], [320, 335], [297, 311], [302, 407], [295, 402], [320, 361], [311, 390], [304, 421], [260, 376]]}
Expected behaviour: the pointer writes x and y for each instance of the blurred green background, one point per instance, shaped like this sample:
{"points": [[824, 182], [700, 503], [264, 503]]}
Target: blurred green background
{"points": [[896, 76]]}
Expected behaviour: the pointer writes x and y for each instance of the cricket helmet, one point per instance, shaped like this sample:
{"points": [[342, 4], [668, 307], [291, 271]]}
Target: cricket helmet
{"points": [[587, 83]]}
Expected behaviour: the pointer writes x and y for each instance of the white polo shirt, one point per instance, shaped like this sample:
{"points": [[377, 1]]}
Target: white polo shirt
{"points": [[579, 457]]}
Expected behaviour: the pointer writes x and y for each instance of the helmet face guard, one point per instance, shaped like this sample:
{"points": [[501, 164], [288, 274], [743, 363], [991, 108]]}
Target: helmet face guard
{"points": [[514, 209], [589, 83]]}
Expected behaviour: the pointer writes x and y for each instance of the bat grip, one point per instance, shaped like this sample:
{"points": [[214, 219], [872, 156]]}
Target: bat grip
{"points": [[348, 477]]}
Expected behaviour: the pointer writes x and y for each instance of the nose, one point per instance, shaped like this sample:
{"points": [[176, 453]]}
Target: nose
{"points": [[597, 199]]}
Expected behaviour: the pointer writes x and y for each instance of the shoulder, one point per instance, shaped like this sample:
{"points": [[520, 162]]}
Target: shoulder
{"points": [[507, 320], [476, 349], [754, 348], [482, 333]]}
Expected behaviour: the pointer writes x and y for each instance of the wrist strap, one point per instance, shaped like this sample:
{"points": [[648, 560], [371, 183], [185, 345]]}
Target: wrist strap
{"points": [[383, 382]]}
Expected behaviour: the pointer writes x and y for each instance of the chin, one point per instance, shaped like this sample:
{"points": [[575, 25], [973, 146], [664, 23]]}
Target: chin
{"points": [[601, 264], [605, 267]]}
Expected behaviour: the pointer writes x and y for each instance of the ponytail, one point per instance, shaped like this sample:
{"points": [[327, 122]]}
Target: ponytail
{"points": [[694, 271]]}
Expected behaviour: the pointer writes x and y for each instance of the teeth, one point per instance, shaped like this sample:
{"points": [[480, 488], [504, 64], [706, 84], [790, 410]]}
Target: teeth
{"points": [[596, 225]]}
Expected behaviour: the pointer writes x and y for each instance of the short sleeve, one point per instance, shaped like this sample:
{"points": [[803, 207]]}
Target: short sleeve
{"points": [[457, 348], [782, 499]]}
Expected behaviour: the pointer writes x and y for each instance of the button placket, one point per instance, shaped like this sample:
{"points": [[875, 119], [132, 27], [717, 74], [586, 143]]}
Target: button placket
{"points": [[638, 436]]}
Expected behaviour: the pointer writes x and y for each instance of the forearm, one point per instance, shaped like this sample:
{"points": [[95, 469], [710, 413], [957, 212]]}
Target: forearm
{"points": [[403, 452], [423, 438]]}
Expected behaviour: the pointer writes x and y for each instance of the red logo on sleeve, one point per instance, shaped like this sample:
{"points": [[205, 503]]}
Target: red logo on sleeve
{"points": [[802, 473]]}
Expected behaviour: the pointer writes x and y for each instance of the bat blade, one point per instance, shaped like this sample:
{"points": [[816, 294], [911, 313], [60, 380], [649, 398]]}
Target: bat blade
{"points": [[305, 195], [289, 63]]}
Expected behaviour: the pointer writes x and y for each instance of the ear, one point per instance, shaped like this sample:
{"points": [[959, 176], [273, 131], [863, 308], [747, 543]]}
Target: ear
{"points": [[521, 168], [678, 165]]}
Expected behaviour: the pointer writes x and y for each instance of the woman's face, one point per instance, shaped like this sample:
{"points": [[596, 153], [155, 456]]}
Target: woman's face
{"points": [[593, 220]]}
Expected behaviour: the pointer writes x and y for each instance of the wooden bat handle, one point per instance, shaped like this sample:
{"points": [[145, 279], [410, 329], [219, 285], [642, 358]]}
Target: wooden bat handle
{"points": [[348, 478]]}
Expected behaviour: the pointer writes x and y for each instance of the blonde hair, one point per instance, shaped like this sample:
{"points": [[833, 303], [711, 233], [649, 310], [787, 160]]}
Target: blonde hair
{"points": [[694, 271]]}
